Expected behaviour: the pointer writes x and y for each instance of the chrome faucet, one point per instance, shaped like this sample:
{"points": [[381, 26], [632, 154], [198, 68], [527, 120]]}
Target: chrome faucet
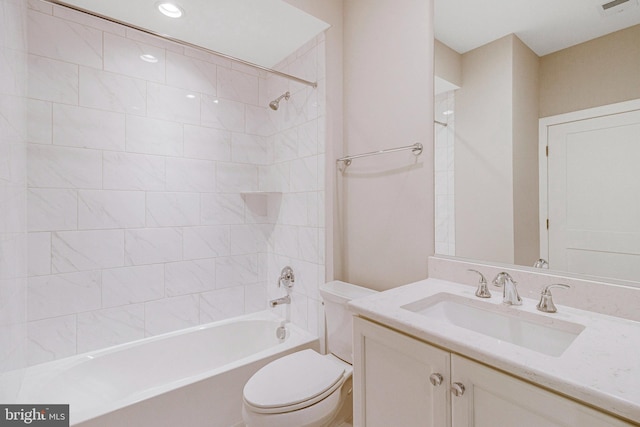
{"points": [[286, 279], [284, 300], [509, 291]]}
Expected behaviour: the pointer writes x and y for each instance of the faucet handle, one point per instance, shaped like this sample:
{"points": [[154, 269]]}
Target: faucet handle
{"points": [[546, 304], [483, 290]]}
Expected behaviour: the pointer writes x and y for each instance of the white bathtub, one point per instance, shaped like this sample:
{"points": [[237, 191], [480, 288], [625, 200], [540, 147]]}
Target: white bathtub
{"points": [[193, 377]]}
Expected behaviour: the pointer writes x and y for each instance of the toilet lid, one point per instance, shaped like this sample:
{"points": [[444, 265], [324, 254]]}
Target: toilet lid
{"points": [[300, 377]]}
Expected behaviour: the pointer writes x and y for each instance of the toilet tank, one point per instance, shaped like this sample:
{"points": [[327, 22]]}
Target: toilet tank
{"points": [[339, 322]]}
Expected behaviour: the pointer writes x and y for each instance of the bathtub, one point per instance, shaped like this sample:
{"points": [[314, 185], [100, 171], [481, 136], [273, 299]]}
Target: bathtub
{"points": [[193, 377]]}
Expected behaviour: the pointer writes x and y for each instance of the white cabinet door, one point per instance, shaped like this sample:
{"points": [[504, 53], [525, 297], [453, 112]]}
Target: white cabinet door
{"points": [[391, 377], [492, 398]]}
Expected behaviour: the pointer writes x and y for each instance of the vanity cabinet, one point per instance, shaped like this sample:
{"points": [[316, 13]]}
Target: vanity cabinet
{"points": [[400, 380]]}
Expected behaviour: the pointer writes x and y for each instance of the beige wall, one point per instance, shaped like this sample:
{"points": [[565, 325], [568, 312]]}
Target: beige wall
{"points": [[386, 202], [448, 64], [599, 72], [525, 154], [483, 154]]}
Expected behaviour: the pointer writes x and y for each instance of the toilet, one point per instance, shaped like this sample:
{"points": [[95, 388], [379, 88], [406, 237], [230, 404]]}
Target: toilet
{"points": [[307, 389]]}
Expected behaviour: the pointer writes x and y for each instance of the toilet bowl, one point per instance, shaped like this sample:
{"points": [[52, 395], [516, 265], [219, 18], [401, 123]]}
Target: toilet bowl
{"points": [[307, 389]]}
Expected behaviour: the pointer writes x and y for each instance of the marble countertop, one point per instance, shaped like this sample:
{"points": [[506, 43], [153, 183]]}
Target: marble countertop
{"points": [[601, 367]]}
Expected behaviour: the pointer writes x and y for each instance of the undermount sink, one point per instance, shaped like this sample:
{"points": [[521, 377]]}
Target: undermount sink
{"points": [[536, 332]]}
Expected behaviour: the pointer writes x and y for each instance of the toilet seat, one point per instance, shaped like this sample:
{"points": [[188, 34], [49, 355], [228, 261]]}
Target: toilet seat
{"points": [[293, 382]]}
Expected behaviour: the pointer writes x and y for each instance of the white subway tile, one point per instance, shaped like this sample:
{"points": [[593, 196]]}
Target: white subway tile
{"points": [[237, 86], [222, 209], [13, 252], [40, 6], [251, 149], [126, 171], [152, 245], [88, 128], [173, 209], [261, 120], [51, 339], [51, 209], [12, 69], [39, 122], [73, 42], [191, 74], [222, 114], [62, 167], [234, 177], [255, 298], [236, 271], [153, 136], [63, 294], [308, 139], [122, 56], [174, 104], [206, 242], [286, 145], [52, 80], [105, 328], [206, 56], [284, 241], [152, 40], [99, 209], [248, 239], [88, 20], [309, 244], [190, 175], [171, 314], [221, 304], [293, 210], [113, 92], [39, 254], [129, 285], [189, 277], [86, 250], [207, 143], [305, 173]]}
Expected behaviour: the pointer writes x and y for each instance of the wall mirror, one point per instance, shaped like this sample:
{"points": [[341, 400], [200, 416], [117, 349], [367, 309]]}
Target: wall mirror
{"points": [[502, 66], [261, 32]]}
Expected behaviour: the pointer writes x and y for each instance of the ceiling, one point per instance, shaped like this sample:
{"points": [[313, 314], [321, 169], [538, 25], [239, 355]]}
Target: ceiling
{"points": [[545, 26], [262, 32]]}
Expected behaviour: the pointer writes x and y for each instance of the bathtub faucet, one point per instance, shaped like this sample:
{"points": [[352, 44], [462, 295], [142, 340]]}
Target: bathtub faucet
{"points": [[278, 301]]}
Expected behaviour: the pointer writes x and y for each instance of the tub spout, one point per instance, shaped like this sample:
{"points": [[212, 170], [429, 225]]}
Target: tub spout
{"points": [[278, 301]]}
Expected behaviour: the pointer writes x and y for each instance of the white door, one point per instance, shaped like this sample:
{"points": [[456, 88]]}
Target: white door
{"points": [[594, 196]]}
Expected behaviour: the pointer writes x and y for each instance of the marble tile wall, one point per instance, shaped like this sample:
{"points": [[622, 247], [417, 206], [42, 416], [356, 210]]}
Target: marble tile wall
{"points": [[13, 219], [445, 230], [163, 194]]}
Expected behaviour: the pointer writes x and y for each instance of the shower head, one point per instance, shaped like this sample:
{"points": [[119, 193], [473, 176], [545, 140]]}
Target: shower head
{"points": [[276, 102]]}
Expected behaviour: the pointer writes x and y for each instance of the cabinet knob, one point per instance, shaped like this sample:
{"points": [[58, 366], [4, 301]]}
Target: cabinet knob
{"points": [[457, 389], [436, 379]]}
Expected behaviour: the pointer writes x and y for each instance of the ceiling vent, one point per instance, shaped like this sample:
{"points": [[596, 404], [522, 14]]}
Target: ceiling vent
{"points": [[617, 6]]}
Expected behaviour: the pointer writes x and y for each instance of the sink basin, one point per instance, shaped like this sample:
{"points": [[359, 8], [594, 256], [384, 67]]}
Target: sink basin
{"points": [[536, 332]]}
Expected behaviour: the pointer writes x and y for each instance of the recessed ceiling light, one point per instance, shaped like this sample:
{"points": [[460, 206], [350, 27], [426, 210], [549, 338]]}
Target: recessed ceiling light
{"points": [[149, 58], [191, 96], [170, 9]]}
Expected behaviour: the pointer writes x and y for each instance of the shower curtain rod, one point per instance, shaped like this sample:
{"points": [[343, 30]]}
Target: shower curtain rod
{"points": [[184, 43]]}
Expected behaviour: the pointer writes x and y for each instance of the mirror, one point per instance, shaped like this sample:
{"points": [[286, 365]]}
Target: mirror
{"points": [[261, 32], [500, 67]]}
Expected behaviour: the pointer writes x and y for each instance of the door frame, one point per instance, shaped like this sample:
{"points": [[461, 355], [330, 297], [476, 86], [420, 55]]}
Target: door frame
{"points": [[543, 137]]}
